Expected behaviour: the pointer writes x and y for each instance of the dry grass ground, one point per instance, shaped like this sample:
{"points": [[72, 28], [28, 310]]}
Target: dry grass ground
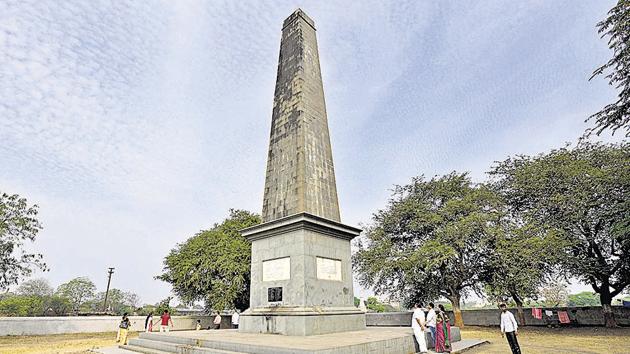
{"points": [[532, 340], [59, 343], [554, 340]]}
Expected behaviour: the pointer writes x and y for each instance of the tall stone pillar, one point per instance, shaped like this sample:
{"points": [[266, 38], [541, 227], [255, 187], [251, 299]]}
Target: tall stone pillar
{"points": [[300, 172], [301, 272]]}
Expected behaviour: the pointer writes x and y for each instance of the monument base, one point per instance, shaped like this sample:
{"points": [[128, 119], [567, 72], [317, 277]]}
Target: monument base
{"points": [[386, 340], [301, 321], [372, 340], [301, 278]]}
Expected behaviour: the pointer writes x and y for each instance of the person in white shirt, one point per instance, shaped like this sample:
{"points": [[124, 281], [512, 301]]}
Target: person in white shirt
{"points": [[418, 326], [431, 322], [217, 321], [509, 329], [235, 317]]}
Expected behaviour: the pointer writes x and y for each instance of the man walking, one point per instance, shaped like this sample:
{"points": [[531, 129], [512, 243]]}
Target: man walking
{"points": [[418, 326], [509, 329], [431, 322], [165, 320]]}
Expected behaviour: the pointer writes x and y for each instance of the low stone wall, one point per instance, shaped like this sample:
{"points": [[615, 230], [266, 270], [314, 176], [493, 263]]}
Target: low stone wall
{"points": [[580, 316], [80, 324]]}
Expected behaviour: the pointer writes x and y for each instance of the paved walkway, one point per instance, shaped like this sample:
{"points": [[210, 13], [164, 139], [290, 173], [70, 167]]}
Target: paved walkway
{"points": [[464, 345], [310, 342]]}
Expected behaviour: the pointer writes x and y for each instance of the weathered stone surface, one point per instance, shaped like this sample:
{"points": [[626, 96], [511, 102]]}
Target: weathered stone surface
{"points": [[290, 294], [300, 173], [310, 305]]}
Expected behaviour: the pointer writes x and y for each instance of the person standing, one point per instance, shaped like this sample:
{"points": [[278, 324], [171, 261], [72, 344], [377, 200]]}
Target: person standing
{"points": [[509, 329], [217, 321], [418, 326], [148, 323], [442, 331], [123, 329], [198, 326], [165, 321], [235, 317], [431, 322]]}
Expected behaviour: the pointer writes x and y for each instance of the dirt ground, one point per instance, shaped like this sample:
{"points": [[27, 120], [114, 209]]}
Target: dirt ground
{"points": [[59, 343], [532, 340], [554, 340]]}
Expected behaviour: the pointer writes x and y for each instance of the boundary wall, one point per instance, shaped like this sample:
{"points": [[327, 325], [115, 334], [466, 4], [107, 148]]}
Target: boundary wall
{"points": [[16, 326], [579, 316]]}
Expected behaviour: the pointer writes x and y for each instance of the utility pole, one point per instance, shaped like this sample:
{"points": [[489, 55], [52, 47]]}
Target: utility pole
{"points": [[110, 271]]}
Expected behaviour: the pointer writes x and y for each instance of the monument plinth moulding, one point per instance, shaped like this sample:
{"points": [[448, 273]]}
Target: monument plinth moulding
{"points": [[301, 271]]}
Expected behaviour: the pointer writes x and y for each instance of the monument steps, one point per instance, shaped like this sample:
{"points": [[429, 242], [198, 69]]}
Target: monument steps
{"points": [[138, 349], [157, 344]]}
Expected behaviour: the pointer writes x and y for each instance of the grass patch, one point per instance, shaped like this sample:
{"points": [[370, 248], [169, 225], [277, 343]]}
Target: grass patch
{"points": [[584, 340], [57, 343], [553, 340]]}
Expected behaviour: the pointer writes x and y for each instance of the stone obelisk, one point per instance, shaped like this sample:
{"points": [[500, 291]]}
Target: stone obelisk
{"points": [[301, 274]]}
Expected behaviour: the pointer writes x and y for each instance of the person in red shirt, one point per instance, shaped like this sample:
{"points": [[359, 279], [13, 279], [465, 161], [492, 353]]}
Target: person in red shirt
{"points": [[165, 321]]}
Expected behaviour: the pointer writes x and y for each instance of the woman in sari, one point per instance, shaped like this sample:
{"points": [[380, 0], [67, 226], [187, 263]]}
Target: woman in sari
{"points": [[443, 332]]}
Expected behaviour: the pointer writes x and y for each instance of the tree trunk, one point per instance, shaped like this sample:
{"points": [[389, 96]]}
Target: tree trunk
{"points": [[457, 312], [605, 299], [519, 309]]}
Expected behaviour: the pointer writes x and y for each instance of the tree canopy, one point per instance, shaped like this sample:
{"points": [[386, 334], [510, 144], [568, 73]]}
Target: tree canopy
{"points": [[584, 193], [18, 223], [77, 291], [523, 257], [35, 287], [585, 298], [214, 265], [430, 240], [616, 27]]}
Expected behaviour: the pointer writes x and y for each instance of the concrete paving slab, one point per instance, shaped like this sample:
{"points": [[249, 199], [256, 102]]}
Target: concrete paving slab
{"points": [[110, 350], [386, 340], [465, 344]]}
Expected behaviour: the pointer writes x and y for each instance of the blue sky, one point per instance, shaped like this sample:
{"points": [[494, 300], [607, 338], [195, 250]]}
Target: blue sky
{"points": [[135, 124]]}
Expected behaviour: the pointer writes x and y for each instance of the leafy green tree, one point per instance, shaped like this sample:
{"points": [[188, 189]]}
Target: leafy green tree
{"points": [[21, 306], [55, 305], [213, 265], [375, 305], [584, 193], [585, 298], [18, 223], [77, 291], [118, 302], [430, 241], [522, 259], [616, 27], [35, 287], [555, 293]]}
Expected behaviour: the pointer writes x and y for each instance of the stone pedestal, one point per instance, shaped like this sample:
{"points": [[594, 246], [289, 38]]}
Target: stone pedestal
{"points": [[301, 278]]}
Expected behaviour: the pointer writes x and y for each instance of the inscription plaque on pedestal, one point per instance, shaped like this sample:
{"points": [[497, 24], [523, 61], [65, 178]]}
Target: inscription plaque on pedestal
{"points": [[277, 269], [274, 294], [328, 269]]}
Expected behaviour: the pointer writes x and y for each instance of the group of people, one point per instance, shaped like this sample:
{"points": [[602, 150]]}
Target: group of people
{"points": [[166, 322], [436, 323], [125, 324]]}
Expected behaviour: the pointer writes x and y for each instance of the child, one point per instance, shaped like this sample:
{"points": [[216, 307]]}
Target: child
{"points": [[198, 328], [123, 329]]}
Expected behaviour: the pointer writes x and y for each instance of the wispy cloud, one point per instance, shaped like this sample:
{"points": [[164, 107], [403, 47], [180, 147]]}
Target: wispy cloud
{"points": [[134, 124]]}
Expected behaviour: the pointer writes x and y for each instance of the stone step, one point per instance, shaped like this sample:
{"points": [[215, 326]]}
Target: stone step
{"points": [[169, 344], [138, 349]]}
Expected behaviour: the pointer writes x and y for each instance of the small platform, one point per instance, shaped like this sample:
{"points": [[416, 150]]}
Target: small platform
{"points": [[390, 340]]}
